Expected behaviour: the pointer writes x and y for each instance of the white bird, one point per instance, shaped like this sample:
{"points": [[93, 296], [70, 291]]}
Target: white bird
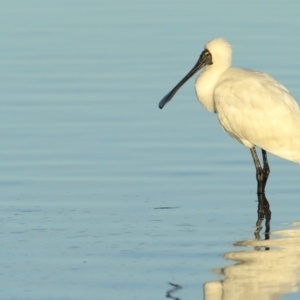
{"points": [[252, 107]]}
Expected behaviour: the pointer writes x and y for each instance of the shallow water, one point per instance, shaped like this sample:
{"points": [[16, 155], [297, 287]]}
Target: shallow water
{"points": [[104, 196]]}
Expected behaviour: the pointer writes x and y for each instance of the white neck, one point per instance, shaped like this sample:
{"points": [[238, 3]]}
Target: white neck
{"points": [[205, 85]]}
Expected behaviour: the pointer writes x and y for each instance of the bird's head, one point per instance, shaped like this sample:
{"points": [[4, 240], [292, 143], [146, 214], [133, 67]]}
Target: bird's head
{"points": [[216, 52]]}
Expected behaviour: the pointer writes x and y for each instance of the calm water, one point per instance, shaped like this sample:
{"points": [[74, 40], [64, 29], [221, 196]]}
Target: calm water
{"points": [[104, 196]]}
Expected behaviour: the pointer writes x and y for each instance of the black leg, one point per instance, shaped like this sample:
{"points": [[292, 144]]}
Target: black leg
{"points": [[261, 173], [266, 169]]}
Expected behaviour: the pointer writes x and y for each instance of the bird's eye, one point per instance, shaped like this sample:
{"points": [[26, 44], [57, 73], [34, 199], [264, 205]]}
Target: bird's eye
{"points": [[205, 54]]}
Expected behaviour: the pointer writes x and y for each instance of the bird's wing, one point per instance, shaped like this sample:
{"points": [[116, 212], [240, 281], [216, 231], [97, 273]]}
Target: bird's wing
{"points": [[258, 111], [276, 87]]}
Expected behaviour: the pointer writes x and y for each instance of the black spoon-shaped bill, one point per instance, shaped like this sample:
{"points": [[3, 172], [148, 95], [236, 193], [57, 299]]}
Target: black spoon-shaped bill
{"points": [[204, 59]]}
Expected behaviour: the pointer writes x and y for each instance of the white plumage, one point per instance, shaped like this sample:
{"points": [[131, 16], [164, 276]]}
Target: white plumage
{"points": [[251, 106]]}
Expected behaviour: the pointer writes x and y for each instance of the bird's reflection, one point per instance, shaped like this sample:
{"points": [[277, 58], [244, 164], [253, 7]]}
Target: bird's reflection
{"points": [[263, 213], [260, 274]]}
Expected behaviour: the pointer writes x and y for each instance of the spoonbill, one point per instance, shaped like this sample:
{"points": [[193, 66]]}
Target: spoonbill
{"points": [[252, 107]]}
